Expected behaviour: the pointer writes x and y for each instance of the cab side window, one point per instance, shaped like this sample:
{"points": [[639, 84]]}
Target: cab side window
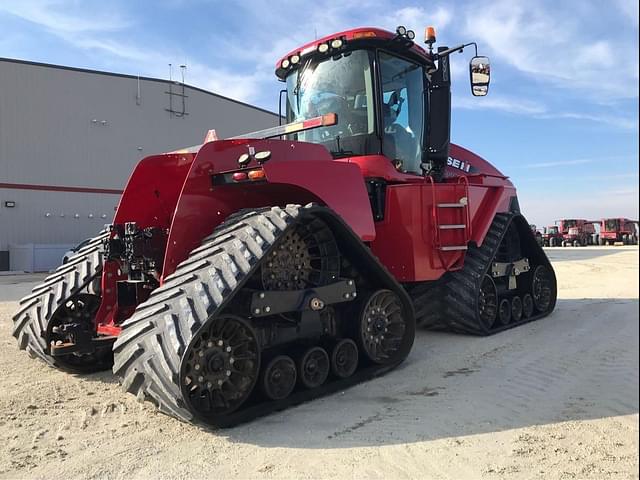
{"points": [[402, 111]]}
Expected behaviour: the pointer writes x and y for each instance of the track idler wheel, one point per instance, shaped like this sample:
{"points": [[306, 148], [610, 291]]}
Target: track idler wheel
{"points": [[527, 305], [344, 358], [541, 288], [279, 378], [221, 366], [504, 312], [382, 327], [516, 309], [313, 367], [71, 319], [488, 302]]}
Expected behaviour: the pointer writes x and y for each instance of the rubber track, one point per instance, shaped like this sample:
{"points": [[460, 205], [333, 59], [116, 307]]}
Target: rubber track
{"points": [[148, 352], [36, 309], [451, 304]]}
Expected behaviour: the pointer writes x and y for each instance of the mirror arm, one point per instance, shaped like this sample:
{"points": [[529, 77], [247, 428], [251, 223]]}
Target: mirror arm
{"points": [[280, 105], [451, 50]]}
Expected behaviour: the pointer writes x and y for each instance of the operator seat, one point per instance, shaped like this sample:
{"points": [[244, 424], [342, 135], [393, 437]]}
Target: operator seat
{"points": [[399, 143]]}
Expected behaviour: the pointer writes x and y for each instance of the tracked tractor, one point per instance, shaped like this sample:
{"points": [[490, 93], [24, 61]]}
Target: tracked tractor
{"points": [[248, 274]]}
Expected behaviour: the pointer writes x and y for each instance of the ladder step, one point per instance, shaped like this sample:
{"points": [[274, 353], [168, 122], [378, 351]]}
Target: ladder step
{"points": [[451, 227], [452, 205], [453, 247]]}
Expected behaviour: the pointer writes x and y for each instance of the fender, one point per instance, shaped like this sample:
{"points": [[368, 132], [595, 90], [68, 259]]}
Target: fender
{"points": [[297, 172]]}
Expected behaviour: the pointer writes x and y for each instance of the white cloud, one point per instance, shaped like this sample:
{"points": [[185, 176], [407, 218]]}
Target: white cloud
{"points": [[63, 16], [559, 163], [551, 47], [499, 102]]}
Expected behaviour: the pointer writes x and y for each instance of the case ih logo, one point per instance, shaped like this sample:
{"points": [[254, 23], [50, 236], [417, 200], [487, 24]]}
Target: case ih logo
{"points": [[460, 165]]}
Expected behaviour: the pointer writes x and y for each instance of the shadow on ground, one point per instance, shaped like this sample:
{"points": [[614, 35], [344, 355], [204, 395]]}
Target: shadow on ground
{"points": [[580, 363]]}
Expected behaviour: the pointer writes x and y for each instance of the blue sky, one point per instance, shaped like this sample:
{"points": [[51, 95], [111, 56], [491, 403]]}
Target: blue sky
{"points": [[561, 118]]}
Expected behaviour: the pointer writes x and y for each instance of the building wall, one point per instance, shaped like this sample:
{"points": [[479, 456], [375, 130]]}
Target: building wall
{"points": [[65, 129]]}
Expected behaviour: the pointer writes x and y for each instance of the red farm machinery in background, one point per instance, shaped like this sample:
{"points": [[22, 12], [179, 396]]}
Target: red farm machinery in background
{"points": [[248, 274], [618, 230], [570, 232]]}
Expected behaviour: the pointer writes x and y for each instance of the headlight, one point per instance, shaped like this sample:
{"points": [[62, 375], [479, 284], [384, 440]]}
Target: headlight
{"points": [[295, 59], [337, 43], [323, 47]]}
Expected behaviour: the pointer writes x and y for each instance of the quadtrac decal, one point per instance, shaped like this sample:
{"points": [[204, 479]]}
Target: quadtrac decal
{"points": [[461, 165]]}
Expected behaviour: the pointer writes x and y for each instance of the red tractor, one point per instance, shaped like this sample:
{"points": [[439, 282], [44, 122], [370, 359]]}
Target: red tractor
{"points": [[578, 233], [245, 275], [614, 230], [552, 237]]}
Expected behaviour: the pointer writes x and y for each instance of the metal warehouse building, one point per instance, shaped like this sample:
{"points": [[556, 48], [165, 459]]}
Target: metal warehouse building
{"points": [[69, 139]]}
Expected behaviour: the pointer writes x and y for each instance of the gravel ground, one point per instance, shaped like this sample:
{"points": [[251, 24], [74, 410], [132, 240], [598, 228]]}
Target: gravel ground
{"points": [[557, 398]]}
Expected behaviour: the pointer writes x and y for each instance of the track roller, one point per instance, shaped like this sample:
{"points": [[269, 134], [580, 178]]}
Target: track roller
{"points": [[504, 312], [279, 378], [344, 358], [516, 309], [527, 305], [313, 367]]}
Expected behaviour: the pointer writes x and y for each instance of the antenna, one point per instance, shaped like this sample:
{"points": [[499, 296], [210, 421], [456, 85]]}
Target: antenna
{"points": [[182, 70]]}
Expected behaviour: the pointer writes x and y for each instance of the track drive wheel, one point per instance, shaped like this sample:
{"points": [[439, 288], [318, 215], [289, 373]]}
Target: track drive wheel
{"points": [[382, 327], [279, 378], [313, 367], [344, 358], [220, 366]]}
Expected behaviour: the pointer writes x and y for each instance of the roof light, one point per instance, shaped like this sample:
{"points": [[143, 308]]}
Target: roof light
{"points": [[337, 43], [257, 175], [364, 35], [323, 47], [411, 34], [295, 59], [401, 30], [244, 159], [262, 156], [285, 63]]}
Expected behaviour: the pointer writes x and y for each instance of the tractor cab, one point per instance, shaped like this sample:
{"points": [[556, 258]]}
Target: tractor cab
{"points": [[391, 97]]}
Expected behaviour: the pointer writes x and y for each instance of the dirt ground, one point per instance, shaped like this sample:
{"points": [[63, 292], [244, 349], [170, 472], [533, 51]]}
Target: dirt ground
{"points": [[557, 398]]}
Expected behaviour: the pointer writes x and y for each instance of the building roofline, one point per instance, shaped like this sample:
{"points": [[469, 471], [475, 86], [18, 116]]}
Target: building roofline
{"points": [[124, 75]]}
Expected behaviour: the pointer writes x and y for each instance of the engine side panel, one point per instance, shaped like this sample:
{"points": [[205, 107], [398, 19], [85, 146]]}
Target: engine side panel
{"points": [[405, 240]]}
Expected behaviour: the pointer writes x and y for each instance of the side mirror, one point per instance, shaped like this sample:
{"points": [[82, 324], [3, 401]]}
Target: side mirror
{"points": [[480, 74]]}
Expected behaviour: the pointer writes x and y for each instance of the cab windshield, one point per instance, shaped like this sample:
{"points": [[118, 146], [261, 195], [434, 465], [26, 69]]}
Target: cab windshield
{"points": [[342, 85], [612, 225], [553, 230]]}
